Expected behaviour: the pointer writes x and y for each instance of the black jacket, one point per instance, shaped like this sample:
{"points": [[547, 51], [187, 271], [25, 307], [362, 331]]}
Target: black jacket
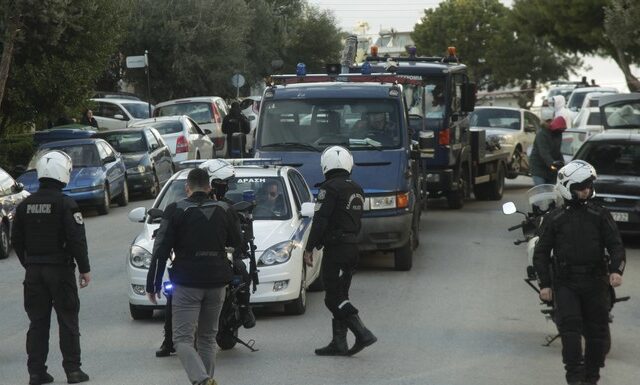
{"points": [[235, 122], [49, 229], [545, 151], [578, 235], [197, 229], [337, 213]]}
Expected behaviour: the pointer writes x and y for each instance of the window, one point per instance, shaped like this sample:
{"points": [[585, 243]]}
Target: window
{"points": [[168, 127], [271, 196], [84, 155], [300, 189], [495, 118], [531, 122], [158, 137], [200, 112], [613, 158], [109, 110], [151, 140], [222, 108], [125, 142], [107, 149], [102, 152], [137, 110], [191, 129]]}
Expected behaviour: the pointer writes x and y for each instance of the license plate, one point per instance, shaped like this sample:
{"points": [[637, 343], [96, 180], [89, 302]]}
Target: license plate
{"points": [[620, 217]]}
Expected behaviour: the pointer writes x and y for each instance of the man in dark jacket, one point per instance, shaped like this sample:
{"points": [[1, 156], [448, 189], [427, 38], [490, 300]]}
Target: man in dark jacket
{"points": [[48, 236], [336, 224], [197, 229], [578, 234], [235, 122], [546, 157]]}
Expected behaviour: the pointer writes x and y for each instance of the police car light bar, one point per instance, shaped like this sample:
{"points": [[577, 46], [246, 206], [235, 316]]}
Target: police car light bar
{"points": [[349, 78], [255, 162]]}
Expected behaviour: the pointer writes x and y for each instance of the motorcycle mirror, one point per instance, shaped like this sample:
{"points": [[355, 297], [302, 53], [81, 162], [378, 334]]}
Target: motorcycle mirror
{"points": [[509, 208]]}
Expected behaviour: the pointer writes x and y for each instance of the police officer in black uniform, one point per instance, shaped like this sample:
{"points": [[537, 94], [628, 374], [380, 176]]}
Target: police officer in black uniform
{"points": [[336, 224], [198, 230], [235, 122], [582, 279], [48, 236]]}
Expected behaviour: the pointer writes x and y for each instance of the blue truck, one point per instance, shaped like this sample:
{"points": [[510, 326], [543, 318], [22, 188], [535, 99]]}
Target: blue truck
{"points": [[303, 115]]}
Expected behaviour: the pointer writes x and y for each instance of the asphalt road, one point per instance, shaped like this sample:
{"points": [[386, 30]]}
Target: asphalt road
{"points": [[461, 316]]}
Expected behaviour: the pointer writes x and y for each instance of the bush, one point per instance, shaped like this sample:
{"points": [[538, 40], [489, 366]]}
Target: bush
{"points": [[16, 150]]}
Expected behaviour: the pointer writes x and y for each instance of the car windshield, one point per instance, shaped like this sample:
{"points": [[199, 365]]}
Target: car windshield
{"points": [[126, 142], [137, 110], [613, 158], [200, 112], [314, 124], [270, 195], [167, 127], [83, 155], [495, 118], [624, 114]]}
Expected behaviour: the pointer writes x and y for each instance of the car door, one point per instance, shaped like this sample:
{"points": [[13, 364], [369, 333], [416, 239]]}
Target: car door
{"points": [[163, 158], [302, 194], [110, 116], [113, 168]]}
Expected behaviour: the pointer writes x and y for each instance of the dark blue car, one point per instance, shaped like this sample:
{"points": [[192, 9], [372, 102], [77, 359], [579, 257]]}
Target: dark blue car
{"points": [[98, 176]]}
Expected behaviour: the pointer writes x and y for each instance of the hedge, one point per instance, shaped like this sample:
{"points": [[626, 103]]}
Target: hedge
{"points": [[16, 150]]}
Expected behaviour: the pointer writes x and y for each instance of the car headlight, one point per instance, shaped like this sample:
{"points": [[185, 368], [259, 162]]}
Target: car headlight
{"points": [[504, 139], [137, 170], [277, 254], [139, 257]]}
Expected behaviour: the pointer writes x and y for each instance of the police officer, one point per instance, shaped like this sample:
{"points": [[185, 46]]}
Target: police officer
{"points": [[197, 229], [582, 280], [48, 236], [220, 173], [235, 122], [335, 226]]}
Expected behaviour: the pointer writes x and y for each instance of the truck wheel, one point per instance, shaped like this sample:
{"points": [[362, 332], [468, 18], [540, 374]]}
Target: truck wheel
{"points": [[455, 199], [403, 257]]}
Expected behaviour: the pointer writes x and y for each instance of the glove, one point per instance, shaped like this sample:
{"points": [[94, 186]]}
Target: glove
{"points": [[557, 165]]}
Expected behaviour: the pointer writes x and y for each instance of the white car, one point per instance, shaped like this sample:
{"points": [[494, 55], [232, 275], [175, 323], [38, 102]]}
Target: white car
{"points": [[514, 128], [589, 119], [251, 109], [576, 100], [281, 232], [183, 136], [111, 113], [207, 111]]}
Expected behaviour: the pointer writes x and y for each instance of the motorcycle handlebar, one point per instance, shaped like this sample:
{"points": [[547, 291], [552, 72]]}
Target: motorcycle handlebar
{"points": [[516, 227]]}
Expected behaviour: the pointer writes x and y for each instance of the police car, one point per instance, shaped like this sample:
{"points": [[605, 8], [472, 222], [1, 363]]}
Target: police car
{"points": [[282, 221]]}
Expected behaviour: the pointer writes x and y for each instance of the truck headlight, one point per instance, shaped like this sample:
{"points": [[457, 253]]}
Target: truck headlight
{"points": [[139, 257], [396, 201], [277, 254]]}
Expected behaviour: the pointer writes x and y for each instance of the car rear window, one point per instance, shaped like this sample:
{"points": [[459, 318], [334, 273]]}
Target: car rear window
{"points": [[82, 155], [200, 112], [495, 118], [168, 127], [126, 142], [613, 158], [137, 110]]}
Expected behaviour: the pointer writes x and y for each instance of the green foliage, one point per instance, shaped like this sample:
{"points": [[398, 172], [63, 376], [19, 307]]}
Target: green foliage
{"points": [[62, 47], [491, 43], [15, 150], [621, 26]]}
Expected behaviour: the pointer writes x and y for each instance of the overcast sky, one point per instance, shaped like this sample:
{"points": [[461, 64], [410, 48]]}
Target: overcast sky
{"points": [[402, 15]]}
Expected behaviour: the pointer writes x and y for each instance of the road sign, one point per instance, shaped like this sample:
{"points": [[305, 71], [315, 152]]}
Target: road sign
{"points": [[237, 80], [136, 61]]}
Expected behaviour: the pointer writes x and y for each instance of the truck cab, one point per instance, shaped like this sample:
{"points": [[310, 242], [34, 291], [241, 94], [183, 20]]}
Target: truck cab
{"points": [[302, 117]]}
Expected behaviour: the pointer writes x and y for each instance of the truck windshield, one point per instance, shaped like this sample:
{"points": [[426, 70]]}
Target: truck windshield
{"points": [[432, 92], [360, 124]]}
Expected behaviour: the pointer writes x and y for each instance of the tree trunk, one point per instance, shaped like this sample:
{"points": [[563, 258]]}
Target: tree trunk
{"points": [[632, 82], [7, 53]]}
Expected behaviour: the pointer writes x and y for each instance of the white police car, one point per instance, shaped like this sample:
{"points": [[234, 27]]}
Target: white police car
{"points": [[282, 221]]}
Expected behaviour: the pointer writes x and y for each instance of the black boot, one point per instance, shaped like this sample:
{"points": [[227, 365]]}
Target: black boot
{"points": [[77, 376], [41, 378], [246, 317], [338, 345], [364, 337], [165, 349]]}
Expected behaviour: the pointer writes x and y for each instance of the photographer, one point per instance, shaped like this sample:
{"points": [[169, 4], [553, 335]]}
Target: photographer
{"points": [[220, 172], [198, 230]]}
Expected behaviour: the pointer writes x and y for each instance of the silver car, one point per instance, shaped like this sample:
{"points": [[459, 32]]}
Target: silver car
{"points": [[185, 138]]}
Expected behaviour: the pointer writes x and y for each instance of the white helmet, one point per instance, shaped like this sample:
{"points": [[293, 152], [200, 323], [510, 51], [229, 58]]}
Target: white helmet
{"points": [[576, 175], [336, 157], [218, 169], [55, 165]]}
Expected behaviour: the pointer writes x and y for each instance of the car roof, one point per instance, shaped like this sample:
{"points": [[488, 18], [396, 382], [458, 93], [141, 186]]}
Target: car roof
{"points": [[120, 130], [118, 100], [608, 99], [582, 90], [70, 142], [614, 135], [341, 90], [199, 99], [149, 121], [498, 108]]}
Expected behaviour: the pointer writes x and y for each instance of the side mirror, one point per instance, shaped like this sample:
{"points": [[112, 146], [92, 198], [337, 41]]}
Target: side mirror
{"points": [[509, 208], [154, 146], [109, 159], [468, 97], [307, 210], [207, 131], [155, 213], [18, 187], [137, 214]]}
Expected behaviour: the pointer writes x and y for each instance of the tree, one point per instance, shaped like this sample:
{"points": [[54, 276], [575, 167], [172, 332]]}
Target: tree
{"points": [[491, 43], [577, 28], [61, 47], [620, 24]]}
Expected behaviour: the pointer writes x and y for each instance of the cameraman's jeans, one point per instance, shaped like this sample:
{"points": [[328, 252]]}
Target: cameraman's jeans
{"points": [[196, 306]]}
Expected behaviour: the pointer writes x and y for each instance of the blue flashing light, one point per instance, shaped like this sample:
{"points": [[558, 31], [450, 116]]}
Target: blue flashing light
{"points": [[249, 196], [366, 68], [301, 69]]}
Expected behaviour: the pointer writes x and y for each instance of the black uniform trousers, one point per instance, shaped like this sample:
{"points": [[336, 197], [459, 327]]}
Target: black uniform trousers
{"points": [[168, 324], [47, 287], [338, 265], [583, 304]]}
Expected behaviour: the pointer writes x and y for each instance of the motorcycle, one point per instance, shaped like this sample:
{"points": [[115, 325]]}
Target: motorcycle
{"points": [[542, 199]]}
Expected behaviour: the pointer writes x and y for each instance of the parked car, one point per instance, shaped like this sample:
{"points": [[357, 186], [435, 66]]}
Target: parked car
{"points": [[98, 175], [572, 139], [111, 113], [146, 157], [592, 99], [589, 119], [514, 128], [11, 194], [115, 95], [68, 131], [281, 231], [574, 103], [206, 111], [185, 138], [251, 109], [615, 154]]}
